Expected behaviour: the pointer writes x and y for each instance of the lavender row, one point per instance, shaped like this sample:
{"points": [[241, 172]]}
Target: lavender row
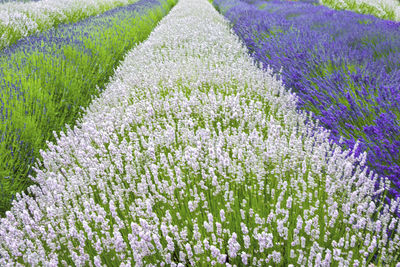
{"points": [[22, 19], [345, 68], [193, 155]]}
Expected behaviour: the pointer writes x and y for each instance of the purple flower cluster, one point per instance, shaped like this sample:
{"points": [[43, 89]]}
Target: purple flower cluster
{"points": [[345, 68]]}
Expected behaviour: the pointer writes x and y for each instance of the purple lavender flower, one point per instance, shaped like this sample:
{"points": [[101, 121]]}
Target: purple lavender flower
{"points": [[345, 68]]}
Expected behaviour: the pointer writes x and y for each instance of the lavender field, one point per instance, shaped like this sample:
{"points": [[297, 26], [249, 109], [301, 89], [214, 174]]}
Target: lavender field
{"points": [[202, 133], [344, 67]]}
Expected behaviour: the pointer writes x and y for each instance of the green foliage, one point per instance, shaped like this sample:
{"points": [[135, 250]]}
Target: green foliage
{"points": [[262, 6], [383, 11]]}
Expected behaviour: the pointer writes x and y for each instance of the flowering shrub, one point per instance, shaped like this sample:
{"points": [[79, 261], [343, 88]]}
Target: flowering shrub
{"points": [[20, 19], [345, 68], [194, 155]]}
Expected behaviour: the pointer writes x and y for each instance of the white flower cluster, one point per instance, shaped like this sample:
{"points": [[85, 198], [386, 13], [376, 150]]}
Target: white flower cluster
{"points": [[194, 155], [19, 19], [380, 8]]}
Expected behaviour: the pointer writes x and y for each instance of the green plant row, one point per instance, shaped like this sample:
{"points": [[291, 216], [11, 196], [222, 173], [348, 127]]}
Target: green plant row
{"points": [[385, 9], [45, 83]]}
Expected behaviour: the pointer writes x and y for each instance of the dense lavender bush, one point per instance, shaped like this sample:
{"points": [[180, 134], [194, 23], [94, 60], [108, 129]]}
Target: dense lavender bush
{"points": [[345, 67]]}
